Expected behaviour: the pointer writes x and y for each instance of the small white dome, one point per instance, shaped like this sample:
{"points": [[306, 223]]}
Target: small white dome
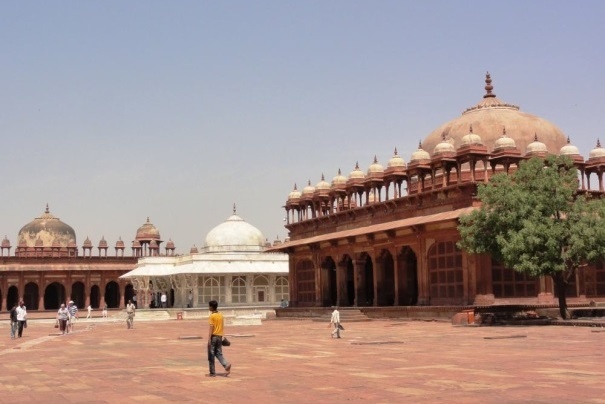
{"points": [[504, 142], [396, 160], [234, 234], [420, 154], [569, 149], [536, 147], [597, 151]]}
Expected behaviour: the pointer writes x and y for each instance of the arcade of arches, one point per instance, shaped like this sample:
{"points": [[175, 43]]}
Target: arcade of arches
{"points": [[388, 236], [44, 290]]}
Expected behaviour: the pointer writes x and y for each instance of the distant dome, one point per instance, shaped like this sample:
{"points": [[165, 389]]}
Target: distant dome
{"points": [[322, 184], [445, 146], [597, 152], [420, 154], [488, 118], [170, 245], [103, 243], [294, 195], [339, 179], [147, 232], [6, 243], [48, 229], [357, 173], [536, 147], [308, 190], [569, 149], [471, 138], [375, 167], [504, 142], [234, 234], [120, 243], [396, 161]]}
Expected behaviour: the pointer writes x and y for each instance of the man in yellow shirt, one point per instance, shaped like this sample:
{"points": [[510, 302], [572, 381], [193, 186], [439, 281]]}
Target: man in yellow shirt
{"points": [[215, 339]]}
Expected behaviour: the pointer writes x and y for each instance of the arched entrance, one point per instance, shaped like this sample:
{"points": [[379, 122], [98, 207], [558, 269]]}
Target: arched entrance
{"points": [[54, 295], [385, 279], [112, 295], [95, 296], [31, 296], [12, 297], [128, 293], [328, 282], [77, 294], [407, 275]]}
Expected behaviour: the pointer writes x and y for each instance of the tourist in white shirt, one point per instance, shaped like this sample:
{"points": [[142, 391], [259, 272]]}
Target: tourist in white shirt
{"points": [[21, 317]]}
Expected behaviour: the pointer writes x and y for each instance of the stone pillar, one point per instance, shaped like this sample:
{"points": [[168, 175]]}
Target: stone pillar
{"points": [[250, 289], [272, 299], [228, 290], [378, 278], [341, 284], [360, 282]]}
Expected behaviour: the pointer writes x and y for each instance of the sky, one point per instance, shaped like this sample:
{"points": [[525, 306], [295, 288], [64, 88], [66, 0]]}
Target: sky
{"points": [[113, 111]]}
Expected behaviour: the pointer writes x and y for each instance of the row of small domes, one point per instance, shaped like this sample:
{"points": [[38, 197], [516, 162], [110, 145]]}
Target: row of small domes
{"points": [[87, 244], [397, 163]]}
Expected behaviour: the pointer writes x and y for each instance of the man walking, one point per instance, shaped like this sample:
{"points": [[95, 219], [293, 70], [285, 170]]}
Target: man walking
{"points": [[336, 321], [21, 317], [164, 300], [130, 309], [14, 321], [215, 339], [73, 316]]}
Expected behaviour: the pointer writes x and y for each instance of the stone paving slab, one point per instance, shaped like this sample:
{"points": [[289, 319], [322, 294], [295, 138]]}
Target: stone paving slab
{"points": [[382, 361]]}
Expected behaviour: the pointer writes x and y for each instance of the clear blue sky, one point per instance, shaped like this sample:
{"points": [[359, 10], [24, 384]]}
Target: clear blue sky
{"points": [[112, 111]]}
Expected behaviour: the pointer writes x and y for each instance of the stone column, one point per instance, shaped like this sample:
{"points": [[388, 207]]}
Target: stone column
{"points": [[341, 284], [228, 290], [360, 282], [250, 289]]}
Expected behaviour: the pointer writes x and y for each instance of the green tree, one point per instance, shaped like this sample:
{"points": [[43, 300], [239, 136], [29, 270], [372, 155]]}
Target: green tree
{"points": [[535, 221]]}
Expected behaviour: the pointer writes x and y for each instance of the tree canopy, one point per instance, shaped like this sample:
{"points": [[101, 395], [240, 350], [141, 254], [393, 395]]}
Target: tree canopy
{"points": [[535, 221]]}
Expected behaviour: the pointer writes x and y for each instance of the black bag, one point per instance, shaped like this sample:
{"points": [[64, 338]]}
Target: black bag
{"points": [[226, 342], [340, 327]]}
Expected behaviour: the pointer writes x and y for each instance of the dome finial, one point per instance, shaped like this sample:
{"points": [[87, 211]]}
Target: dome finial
{"points": [[488, 86], [357, 165], [339, 172], [235, 210], [535, 137], [322, 177], [420, 144], [504, 131], [395, 153], [147, 219], [375, 159], [470, 129], [568, 140], [47, 211], [598, 143]]}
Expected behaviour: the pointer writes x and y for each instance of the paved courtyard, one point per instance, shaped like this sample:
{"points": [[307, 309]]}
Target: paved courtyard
{"points": [[296, 361]]}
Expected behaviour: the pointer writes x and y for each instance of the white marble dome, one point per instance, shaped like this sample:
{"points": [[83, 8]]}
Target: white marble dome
{"points": [[233, 235]]}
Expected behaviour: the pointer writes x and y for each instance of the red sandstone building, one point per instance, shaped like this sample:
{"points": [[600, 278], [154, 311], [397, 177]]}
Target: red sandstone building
{"points": [[387, 236], [48, 268]]}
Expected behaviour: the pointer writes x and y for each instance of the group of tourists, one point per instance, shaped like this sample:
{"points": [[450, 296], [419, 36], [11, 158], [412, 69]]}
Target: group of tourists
{"points": [[18, 317], [66, 317]]}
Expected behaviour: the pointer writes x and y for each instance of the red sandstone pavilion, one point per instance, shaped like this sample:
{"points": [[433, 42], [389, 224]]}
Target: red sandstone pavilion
{"points": [[387, 237], [47, 268]]}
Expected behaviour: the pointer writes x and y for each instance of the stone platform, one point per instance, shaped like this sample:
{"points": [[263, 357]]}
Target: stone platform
{"points": [[296, 361]]}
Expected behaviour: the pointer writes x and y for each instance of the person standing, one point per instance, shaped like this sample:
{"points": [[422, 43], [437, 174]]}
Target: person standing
{"points": [[62, 318], [336, 321], [89, 309], [130, 310], [21, 317], [190, 300], [164, 300], [104, 312], [73, 315], [215, 339], [134, 301], [14, 321]]}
